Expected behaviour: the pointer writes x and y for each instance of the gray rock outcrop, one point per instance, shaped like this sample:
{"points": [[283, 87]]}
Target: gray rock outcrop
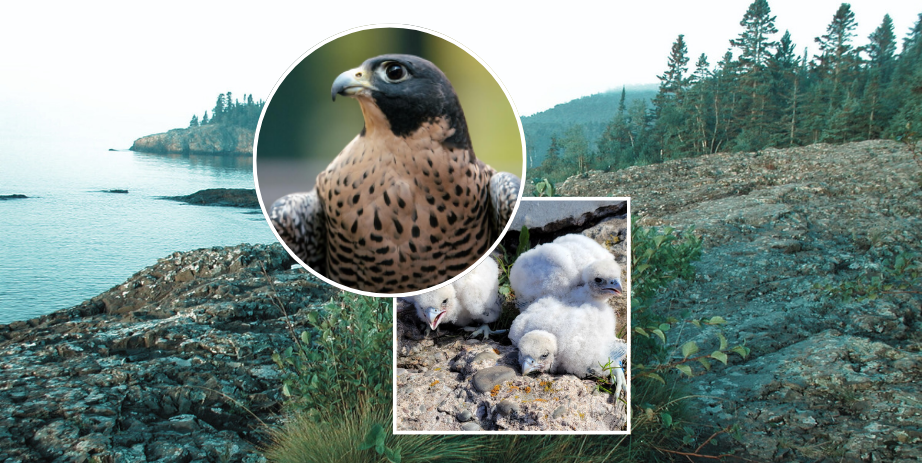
{"points": [[206, 139], [174, 365], [827, 379], [230, 197]]}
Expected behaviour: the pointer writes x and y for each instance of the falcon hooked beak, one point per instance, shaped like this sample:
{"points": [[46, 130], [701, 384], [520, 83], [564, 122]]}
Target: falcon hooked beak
{"points": [[353, 82], [434, 316], [529, 365], [611, 287]]}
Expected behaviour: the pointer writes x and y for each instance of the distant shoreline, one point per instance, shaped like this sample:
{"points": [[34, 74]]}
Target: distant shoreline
{"points": [[212, 139]]}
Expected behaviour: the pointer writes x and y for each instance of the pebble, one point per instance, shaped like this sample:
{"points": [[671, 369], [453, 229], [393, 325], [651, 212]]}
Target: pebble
{"points": [[488, 355], [465, 415], [506, 407], [485, 379], [471, 427]]}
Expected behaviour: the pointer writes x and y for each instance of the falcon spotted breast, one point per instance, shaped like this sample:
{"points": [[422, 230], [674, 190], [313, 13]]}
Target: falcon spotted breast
{"points": [[406, 205]]}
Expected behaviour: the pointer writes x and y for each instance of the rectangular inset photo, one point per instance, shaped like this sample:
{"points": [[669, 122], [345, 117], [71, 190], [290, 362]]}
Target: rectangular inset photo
{"points": [[534, 340]]}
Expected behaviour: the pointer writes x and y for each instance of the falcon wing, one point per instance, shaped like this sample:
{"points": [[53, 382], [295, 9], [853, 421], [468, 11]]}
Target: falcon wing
{"points": [[299, 220]]}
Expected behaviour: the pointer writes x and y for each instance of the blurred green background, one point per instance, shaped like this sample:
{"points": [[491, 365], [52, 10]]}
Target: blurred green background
{"points": [[303, 129]]}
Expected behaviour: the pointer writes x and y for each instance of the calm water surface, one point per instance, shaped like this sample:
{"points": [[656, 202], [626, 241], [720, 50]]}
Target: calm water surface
{"points": [[69, 241]]}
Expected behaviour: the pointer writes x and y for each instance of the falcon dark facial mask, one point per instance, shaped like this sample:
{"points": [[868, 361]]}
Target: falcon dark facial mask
{"points": [[409, 90]]}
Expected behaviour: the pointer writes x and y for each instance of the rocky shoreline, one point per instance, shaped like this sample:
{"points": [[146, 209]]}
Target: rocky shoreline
{"points": [[174, 365], [827, 379], [206, 139]]}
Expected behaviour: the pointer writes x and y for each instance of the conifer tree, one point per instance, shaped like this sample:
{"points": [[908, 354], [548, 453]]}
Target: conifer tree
{"points": [[756, 48], [669, 103], [837, 57]]}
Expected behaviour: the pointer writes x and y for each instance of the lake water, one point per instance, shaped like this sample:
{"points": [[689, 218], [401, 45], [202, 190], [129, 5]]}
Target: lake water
{"points": [[69, 241]]}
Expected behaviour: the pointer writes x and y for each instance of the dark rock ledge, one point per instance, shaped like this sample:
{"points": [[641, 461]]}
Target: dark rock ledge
{"points": [[174, 365], [231, 197]]}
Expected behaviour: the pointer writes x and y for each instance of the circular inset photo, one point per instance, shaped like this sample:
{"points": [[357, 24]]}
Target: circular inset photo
{"points": [[388, 160]]}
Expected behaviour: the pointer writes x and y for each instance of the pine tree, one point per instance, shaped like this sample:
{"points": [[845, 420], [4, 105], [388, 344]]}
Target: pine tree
{"points": [[669, 103], [882, 48], [755, 47], [699, 104], [754, 42], [786, 76], [837, 57], [576, 149], [906, 86], [194, 121], [217, 114], [205, 119], [876, 107]]}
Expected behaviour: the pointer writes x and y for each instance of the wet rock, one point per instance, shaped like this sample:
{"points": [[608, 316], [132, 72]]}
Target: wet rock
{"points": [[230, 197], [151, 370]]}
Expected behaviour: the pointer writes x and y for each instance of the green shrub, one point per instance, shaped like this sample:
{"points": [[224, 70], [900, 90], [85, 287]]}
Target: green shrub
{"points": [[344, 359]]}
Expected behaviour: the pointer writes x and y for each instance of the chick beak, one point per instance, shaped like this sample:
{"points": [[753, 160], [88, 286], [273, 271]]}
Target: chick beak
{"points": [[613, 287], [434, 317], [530, 365], [352, 82]]}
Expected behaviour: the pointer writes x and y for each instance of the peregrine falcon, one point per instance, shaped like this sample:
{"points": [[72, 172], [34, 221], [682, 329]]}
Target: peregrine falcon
{"points": [[406, 204]]}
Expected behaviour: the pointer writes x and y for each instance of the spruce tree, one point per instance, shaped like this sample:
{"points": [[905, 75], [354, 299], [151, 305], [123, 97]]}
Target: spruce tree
{"points": [[670, 102], [756, 48], [837, 57]]}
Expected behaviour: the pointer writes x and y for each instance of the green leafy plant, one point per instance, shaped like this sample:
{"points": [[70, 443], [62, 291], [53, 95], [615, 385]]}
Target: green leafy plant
{"points": [[341, 359], [375, 439], [544, 187]]}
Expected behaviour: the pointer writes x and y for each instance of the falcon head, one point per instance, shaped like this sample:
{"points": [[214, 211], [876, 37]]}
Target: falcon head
{"points": [[536, 351], [400, 93], [603, 278], [432, 307]]}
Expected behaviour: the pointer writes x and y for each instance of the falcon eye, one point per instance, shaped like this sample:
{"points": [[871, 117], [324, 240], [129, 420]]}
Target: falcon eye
{"points": [[598, 280], [544, 356], [445, 301], [394, 72]]}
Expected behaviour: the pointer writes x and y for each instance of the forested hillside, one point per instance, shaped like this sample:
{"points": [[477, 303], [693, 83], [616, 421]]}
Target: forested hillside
{"points": [[761, 93], [591, 113]]}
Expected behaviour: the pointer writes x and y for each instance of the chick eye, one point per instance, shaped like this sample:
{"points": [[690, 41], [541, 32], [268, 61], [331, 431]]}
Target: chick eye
{"points": [[445, 301], [395, 72], [544, 356], [598, 280]]}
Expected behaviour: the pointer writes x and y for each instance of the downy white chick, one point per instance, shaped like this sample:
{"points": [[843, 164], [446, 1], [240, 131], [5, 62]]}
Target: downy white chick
{"points": [[473, 297], [582, 333], [557, 337], [537, 351], [573, 268]]}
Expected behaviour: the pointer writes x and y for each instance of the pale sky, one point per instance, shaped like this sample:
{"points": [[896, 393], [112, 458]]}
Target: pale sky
{"points": [[130, 70]]}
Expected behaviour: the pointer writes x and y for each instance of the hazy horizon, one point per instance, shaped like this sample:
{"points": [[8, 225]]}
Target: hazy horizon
{"points": [[132, 71]]}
